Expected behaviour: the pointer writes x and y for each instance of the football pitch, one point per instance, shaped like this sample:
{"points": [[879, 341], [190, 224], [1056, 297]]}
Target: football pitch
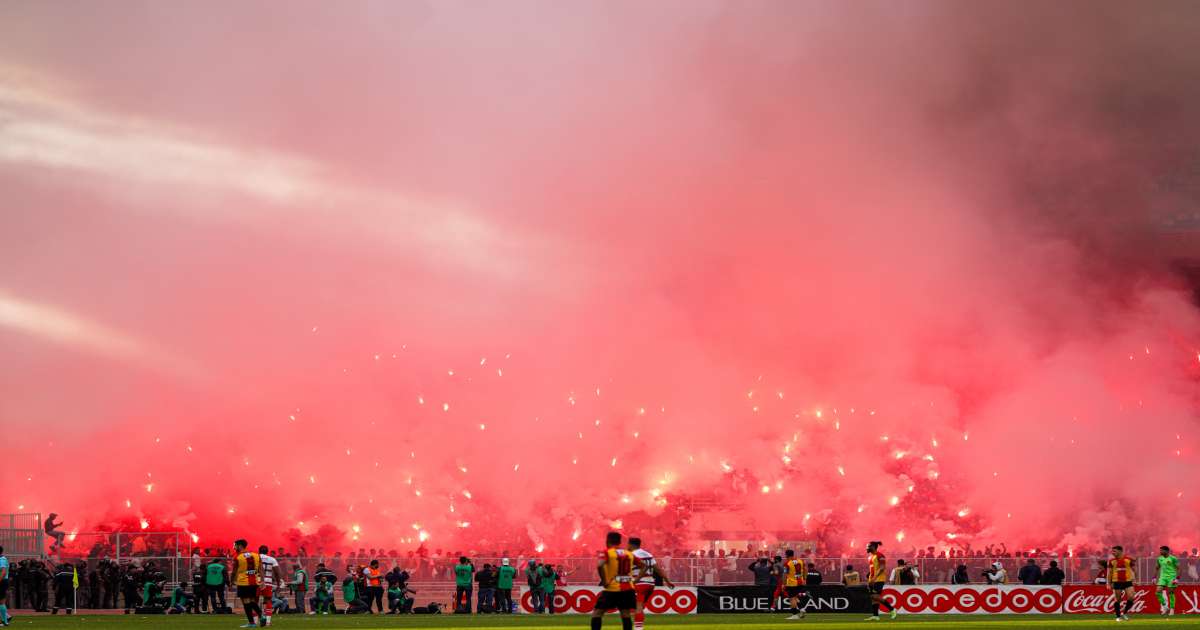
{"points": [[575, 622]]}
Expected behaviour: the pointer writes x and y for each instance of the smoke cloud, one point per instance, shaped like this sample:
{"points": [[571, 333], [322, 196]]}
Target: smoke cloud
{"points": [[510, 274]]}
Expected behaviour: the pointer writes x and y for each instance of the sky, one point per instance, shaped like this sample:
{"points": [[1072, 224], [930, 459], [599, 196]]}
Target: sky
{"points": [[515, 273]]}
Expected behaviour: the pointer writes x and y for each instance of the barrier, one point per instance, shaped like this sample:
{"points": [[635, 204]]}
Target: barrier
{"points": [[581, 600], [976, 600], [1094, 599], [832, 598]]}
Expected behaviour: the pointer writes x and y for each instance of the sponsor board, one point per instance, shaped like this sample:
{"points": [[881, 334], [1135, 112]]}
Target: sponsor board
{"points": [[579, 600], [1096, 599], [830, 598], [976, 600]]}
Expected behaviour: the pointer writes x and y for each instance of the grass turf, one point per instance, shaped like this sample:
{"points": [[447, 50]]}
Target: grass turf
{"points": [[577, 622]]}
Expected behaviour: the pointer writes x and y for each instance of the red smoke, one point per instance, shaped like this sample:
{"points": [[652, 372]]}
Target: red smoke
{"points": [[867, 271]]}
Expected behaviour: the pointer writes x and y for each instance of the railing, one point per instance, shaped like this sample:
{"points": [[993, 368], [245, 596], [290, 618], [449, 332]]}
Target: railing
{"points": [[433, 577], [21, 535]]}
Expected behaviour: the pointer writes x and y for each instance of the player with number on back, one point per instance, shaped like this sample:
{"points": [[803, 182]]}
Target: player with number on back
{"points": [[1168, 579], [649, 577], [616, 569]]}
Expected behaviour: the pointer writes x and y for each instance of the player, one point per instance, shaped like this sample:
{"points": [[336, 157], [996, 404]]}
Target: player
{"points": [[649, 577], [1168, 579], [246, 568], [795, 574], [4, 620], [270, 575], [616, 569], [876, 579], [1121, 578]]}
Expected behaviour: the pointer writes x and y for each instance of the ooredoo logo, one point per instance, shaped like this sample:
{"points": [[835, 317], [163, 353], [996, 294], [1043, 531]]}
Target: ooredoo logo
{"points": [[582, 600], [976, 599]]}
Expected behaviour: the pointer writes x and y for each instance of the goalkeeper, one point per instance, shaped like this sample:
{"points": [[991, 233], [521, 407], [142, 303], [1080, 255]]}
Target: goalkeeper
{"points": [[1168, 579]]}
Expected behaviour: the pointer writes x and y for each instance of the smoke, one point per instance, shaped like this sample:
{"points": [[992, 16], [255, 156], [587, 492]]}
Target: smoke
{"points": [[511, 274]]}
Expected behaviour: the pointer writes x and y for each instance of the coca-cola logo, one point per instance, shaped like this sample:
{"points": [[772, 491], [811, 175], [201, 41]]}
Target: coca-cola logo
{"points": [[582, 599], [1099, 599], [975, 599]]}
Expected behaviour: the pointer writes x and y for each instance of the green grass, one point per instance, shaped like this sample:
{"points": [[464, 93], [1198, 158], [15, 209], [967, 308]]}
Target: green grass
{"points": [[577, 622]]}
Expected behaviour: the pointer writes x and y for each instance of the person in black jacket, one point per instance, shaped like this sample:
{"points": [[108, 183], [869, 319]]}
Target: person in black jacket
{"points": [[64, 589], [486, 577], [1031, 573], [1053, 575]]}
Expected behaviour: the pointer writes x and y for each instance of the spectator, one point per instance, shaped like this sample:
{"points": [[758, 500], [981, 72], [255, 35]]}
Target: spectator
{"points": [[487, 588], [535, 593], [323, 600], [199, 593], [813, 578], [548, 579], [1053, 575], [280, 603], [960, 575], [373, 581], [216, 579], [504, 586], [52, 531], [1030, 574], [761, 569], [850, 577], [64, 589], [299, 585], [997, 574], [904, 573], [399, 602], [354, 604], [181, 601], [777, 579], [464, 572]]}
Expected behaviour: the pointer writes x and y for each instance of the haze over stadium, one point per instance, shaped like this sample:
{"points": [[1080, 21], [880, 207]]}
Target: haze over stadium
{"points": [[516, 273]]}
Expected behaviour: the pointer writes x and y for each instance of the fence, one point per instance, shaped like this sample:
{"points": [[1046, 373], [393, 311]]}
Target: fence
{"points": [[21, 535]]}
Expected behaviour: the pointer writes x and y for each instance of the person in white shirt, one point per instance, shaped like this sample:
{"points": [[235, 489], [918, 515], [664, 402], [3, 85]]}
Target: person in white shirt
{"points": [[270, 574], [649, 577], [997, 575]]}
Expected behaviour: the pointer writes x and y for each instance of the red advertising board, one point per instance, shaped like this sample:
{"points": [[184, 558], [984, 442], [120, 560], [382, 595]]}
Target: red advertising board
{"points": [[1085, 599], [976, 600], [582, 599]]}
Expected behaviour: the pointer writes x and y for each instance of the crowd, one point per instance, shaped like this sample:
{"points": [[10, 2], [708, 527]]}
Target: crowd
{"points": [[386, 581]]}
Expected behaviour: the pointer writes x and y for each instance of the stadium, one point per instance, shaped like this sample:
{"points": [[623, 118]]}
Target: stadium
{"points": [[599, 313]]}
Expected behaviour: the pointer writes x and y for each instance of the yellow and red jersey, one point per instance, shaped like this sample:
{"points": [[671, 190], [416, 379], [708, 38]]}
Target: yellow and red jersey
{"points": [[618, 570], [877, 564], [248, 566], [1120, 569], [795, 573]]}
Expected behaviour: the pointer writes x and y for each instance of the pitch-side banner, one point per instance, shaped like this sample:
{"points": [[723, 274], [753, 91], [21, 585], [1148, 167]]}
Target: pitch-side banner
{"points": [[831, 598], [976, 600], [1083, 599], [577, 600]]}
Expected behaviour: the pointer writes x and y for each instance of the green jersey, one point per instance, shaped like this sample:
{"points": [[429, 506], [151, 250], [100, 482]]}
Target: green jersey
{"points": [[1168, 567], [214, 574], [504, 578], [463, 574], [547, 583]]}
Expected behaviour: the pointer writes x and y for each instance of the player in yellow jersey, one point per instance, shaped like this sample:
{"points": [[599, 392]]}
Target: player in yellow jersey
{"points": [[795, 574], [616, 569], [246, 569], [876, 579], [1121, 578]]}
